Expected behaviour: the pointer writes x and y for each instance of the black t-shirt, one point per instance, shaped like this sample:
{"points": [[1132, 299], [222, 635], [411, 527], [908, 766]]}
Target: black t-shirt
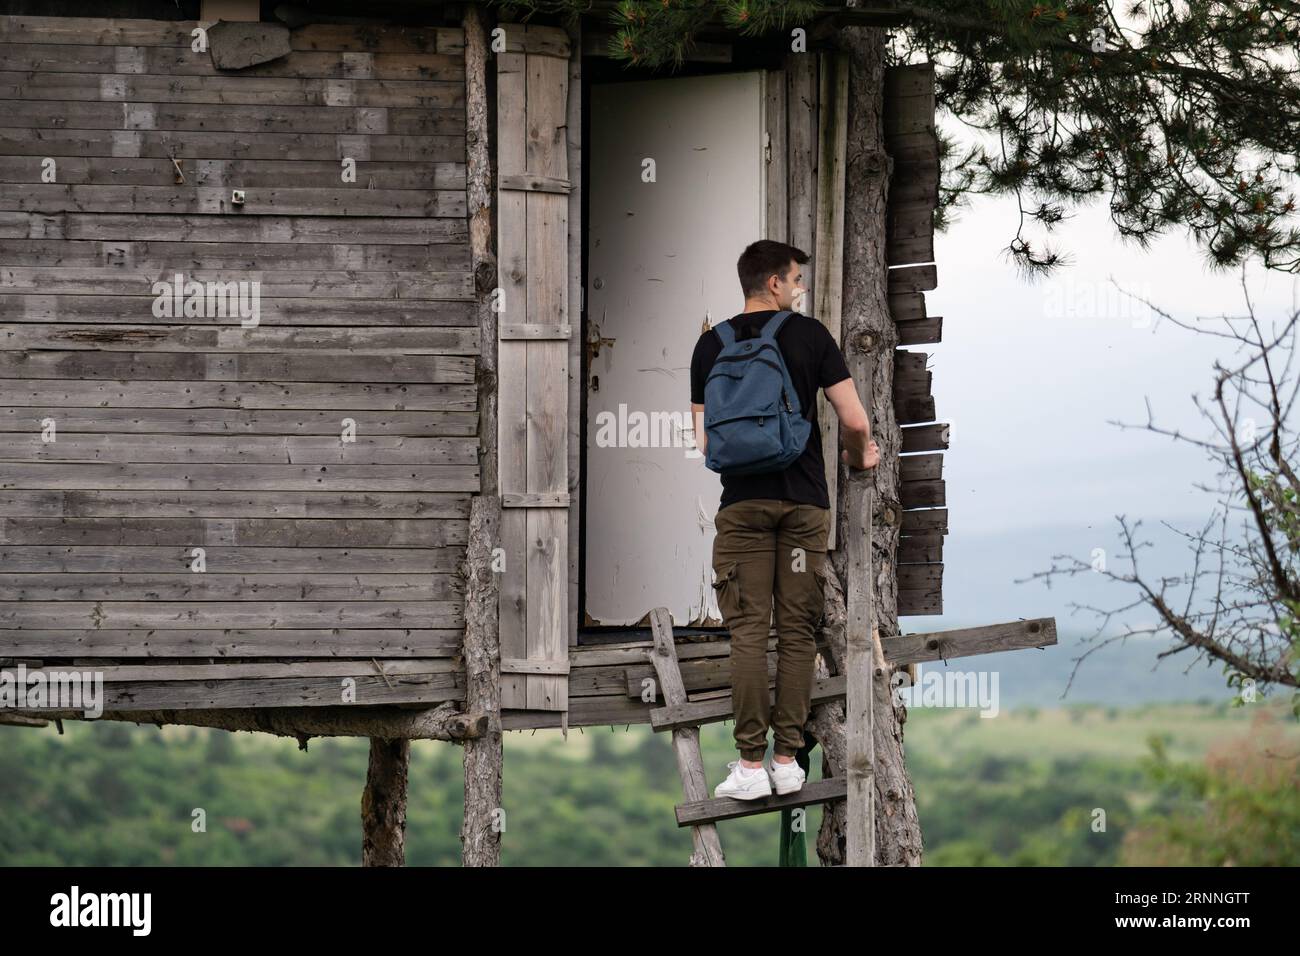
{"points": [[814, 360]]}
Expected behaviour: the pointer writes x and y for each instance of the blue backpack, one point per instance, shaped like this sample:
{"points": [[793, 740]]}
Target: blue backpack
{"points": [[751, 411]]}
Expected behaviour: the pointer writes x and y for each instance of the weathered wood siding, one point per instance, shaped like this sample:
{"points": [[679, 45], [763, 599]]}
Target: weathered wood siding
{"points": [[913, 196], [120, 149], [535, 331]]}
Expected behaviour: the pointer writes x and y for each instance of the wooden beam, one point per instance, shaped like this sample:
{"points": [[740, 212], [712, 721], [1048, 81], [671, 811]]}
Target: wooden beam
{"points": [[970, 641], [443, 722], [535, 499]]}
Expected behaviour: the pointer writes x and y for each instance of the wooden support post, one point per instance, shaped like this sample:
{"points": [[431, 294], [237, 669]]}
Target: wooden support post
{"points": [[864, 315], [860, 673], [481, 825], [383, 804]]}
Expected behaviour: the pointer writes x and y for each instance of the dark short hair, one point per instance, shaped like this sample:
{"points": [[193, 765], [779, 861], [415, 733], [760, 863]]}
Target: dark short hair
{"points": [[764, 259]]}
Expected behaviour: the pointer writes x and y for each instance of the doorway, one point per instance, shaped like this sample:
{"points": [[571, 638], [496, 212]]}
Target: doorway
{"points": [[676, 180]]}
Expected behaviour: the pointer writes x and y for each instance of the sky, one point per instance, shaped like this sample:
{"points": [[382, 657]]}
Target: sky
{"points": [[1032, 375]]}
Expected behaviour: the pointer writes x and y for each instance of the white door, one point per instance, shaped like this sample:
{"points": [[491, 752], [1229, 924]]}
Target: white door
{"points": [[676, 192]]}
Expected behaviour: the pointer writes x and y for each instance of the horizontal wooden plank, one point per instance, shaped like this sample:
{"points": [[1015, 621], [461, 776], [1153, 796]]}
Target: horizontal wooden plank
{"points": [[535, 499], [904, 306], [92, 476], [912, 279], [82, 560], [232, 504], [532, 182], [914, 184], [237, 118], [520, 665], [326, 312], [583, 712], [180, 33], [281, 692], [533, 330], [257, 91], [270, 670], [901, 251], [296, 230], [916, 149], [920, 577], [925, 437], [180, 61], [17, 615], [187, 586], [300, 395], [201, 367], [921, 331], [236, 421], [915, 603], [15, 141], [725, 808], [924, 520], [911, 377], [920, 548], [332, 200], [233, 642], [535, 40], [970, 641], [923, 494], [162, 258], [912, 410], [236, 532], [326, 284], [906, 221], [160, 338], [920, 467]]}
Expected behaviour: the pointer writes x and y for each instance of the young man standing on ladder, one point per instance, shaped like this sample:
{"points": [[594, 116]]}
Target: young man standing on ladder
{"points": [[772, 525]]}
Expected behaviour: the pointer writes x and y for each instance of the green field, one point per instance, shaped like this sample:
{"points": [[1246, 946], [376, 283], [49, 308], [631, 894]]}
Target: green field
{"points": [[1027, 787]]}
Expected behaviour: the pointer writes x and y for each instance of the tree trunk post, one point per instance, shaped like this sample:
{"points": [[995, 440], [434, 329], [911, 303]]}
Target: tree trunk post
{"points": [[484, 820], [383, 804], [869, 337]]}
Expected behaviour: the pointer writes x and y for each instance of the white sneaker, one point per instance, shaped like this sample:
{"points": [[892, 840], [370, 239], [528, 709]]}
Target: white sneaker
{"points": [[786, 777], [744, 783]]}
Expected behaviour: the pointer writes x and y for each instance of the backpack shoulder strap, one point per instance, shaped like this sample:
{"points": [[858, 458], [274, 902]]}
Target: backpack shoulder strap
{"points": [[773, 325], [726, 333]]}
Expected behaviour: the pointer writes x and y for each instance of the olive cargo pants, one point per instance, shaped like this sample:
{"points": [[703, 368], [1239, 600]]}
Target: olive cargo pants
{"points": [[770, 552]]}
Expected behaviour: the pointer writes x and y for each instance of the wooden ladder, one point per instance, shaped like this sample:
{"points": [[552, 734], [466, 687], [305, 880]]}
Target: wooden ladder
{"points": [[701, 812]]}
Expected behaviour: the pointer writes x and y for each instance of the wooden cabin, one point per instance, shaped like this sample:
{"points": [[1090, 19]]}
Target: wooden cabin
{"points": [[255, 369]]}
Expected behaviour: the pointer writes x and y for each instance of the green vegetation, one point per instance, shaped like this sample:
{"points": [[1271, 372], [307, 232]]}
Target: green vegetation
{"points": [[1187, 784]]}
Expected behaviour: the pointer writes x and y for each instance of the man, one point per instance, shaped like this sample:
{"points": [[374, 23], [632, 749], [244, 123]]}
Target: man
{"points": [[772, 529]]}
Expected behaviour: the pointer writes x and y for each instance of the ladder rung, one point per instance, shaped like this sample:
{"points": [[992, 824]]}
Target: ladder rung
{"points": [[728, 808]]}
